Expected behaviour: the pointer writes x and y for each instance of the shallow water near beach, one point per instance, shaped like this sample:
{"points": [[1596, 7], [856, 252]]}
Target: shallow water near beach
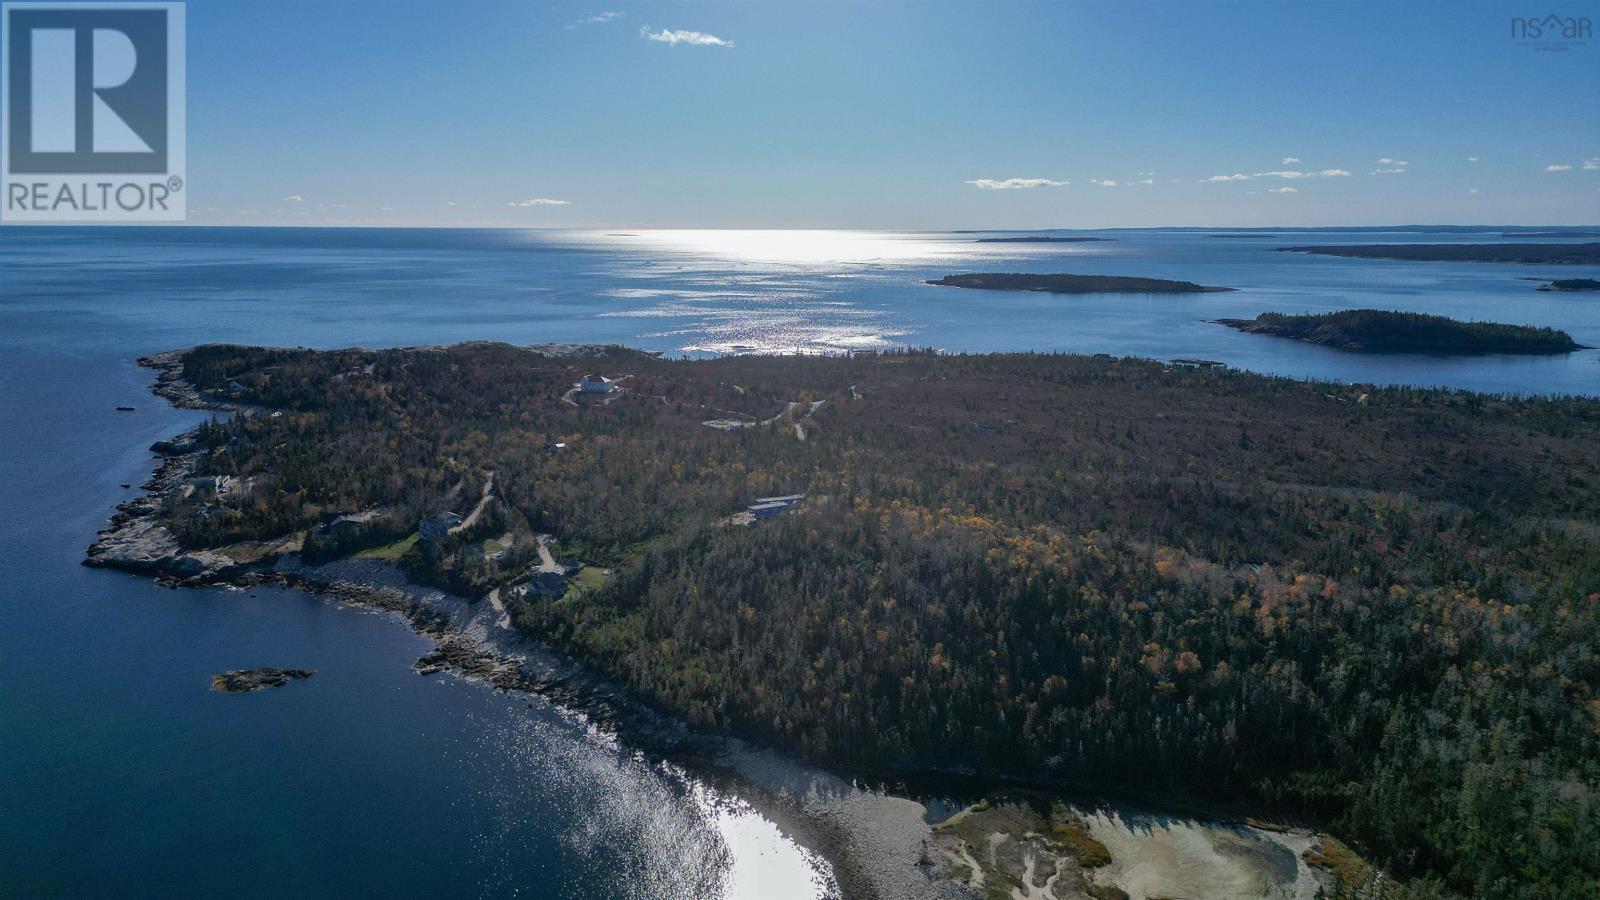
{"points": [[124, 774]]}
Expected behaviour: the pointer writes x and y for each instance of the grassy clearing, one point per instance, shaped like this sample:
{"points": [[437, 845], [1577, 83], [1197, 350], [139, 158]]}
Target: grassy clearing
{"points": [[391, 552], [589, 578]]}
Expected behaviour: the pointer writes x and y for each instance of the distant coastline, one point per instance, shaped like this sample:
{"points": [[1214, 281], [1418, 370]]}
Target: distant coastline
{"points": [[1533, 254]]}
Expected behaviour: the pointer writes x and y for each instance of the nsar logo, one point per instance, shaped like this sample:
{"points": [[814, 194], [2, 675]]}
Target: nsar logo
{"points": [[1552, 32]]}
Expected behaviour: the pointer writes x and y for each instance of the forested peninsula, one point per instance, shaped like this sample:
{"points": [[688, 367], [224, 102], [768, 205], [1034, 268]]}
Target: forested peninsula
{"points": [[1374, 608]]}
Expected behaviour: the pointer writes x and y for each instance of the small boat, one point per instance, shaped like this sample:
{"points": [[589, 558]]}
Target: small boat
{"points": [[124, 409]]}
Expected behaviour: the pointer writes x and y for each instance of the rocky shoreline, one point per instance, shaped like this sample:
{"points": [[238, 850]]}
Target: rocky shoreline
{"points": [[873, 843], [877, 845]]}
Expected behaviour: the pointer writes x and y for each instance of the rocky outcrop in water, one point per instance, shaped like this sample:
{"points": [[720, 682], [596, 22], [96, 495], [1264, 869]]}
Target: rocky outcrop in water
{"points": [[244, 681]]}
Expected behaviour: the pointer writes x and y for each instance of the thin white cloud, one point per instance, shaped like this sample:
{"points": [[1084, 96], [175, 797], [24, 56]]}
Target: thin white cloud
{"points": [[1103, 182], [1389, 171], [674, 37], [1592, 164], [1237, 176], [597, 19], [1012, 184], [1283, 190], [1292, 173], [1386, 161], [540, 201], [1557, 167], [1474, 191], [1290, 159], [1472, 159], [294, 198], [1145, 181]]}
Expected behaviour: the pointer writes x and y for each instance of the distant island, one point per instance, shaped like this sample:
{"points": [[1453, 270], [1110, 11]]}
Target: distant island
{"points": [[1039, 239], [1072, 284], [1382, 331], [1572, 284], [1534, 254]]}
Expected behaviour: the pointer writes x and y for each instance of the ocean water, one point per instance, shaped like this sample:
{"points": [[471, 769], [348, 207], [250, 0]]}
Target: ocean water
{"points": [[122, 774]]}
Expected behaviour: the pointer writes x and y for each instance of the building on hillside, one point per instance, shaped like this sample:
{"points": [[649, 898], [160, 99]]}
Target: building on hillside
{"points": [[208, 486], [786, 500], [596, 384], [767, 507], [547, 584], [348, 525], [437, 526], [1203, 365]]}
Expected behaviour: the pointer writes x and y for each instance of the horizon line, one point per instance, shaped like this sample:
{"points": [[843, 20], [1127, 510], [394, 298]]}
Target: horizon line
{"points": [[838, 228]]}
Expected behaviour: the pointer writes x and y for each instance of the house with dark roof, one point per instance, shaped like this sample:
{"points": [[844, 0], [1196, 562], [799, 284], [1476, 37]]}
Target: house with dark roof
{"points": [[596, 384], [767, 507], [438, 525], [547, 584]]}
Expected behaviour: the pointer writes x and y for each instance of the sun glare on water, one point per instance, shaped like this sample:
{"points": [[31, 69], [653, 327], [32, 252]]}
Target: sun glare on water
{"points": [[794, 246]]}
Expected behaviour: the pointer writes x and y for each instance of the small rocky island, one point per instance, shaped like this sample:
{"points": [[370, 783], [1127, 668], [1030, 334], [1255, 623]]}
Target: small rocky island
{"points": [[1528, 254], [1039, 239], [1382, 331], [1072, 284], [1572, 285], [244, 681]]}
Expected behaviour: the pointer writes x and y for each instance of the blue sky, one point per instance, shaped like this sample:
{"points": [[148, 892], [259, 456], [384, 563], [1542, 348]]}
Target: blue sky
{"points": [[891, 115]]}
